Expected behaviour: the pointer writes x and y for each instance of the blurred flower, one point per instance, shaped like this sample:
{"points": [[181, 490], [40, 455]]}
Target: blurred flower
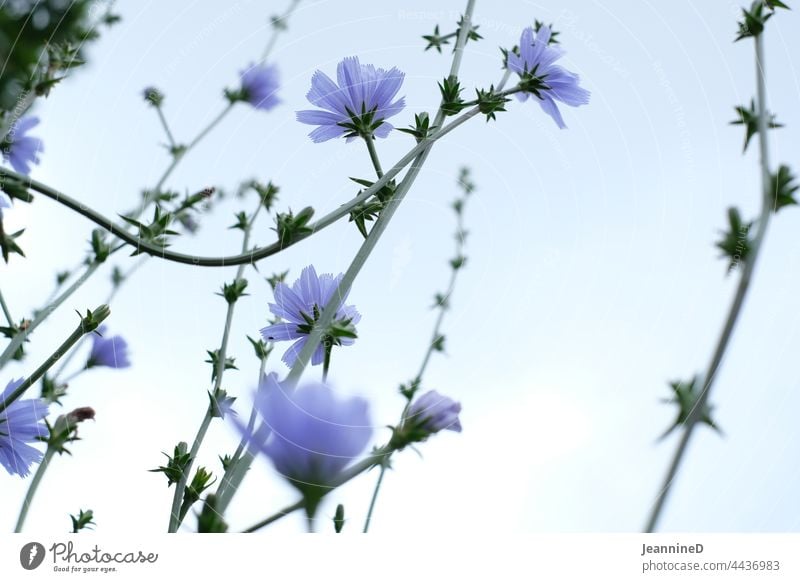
{"points": [[301, 306], [541, 78], [357, 106], [111, 352], [4, 203], [20, 423], [427, 415], [313, 435], [22, 150], [259, 86]]}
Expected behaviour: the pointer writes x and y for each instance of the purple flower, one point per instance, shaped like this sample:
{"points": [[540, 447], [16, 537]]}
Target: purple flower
{"points": [[4, 203], [300, 306], [313, 434], [357, 106], [111, 352], [433, 412], [544, 80], [259, 86], [20, 423], [22, 150]]}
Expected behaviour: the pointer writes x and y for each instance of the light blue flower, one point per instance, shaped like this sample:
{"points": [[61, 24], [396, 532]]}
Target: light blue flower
{"points": [[313, 434], [111, 352], [20, 424], [357, 106], [300, 306], [22, 150], [259, 86], [535, 64]]}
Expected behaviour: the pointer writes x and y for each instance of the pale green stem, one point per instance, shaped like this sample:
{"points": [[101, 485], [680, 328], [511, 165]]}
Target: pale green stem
{"points": [[87, 324], [178, 512], [6, 312], [165, 125], [374, 498], [368, 245], [277, 29], [71, 355], [373, 155], [33, 487], [738, 299], [17, 340]]}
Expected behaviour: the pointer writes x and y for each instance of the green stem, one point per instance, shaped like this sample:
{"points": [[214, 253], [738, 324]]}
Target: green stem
{"points": [[165, 125], [381, 223], [256, 254], [374, 498], [32, 488], [278, 26], [178, 511], [738, 299], [431, 346], [276, 516], [369, 243], [6, 312], [87, 325], [251, 423], [373, 155], [378, 457], [326, 363], [17, 340], [109, 299]]}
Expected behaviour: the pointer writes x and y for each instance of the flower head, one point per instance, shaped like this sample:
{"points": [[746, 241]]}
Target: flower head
{"points": [[313, 434], [427, 415], [357, 106], [20, 149], [541, 78], [20, 423], [259, 86], [300, 306], [111, 352]]}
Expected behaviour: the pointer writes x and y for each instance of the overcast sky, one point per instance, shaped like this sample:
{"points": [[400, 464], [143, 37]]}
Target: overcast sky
{"points": [[592, 280]]}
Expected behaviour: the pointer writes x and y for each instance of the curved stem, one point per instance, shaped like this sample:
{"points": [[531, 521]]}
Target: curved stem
{"points": [[738, 300], [256, 254], [32, 488], [17, 340]]}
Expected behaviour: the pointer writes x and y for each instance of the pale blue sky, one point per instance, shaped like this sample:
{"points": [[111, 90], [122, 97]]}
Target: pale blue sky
{"points": [[592, 281]]}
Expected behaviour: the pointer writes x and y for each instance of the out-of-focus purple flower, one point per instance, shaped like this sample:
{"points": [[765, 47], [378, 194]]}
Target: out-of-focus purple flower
{"points": [[4, 203], [357, 106], [111, 352], [22, 150], [21, 423], [313, 434], [546, 81], [300, 306], [433, 412], [259, 86]]}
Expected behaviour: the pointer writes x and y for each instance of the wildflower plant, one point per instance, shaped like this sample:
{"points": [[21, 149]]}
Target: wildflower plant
{"points": [[315, 436]]}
